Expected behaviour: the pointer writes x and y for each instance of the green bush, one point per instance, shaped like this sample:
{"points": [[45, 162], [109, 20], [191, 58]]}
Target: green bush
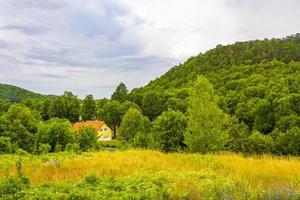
{"points": [[58, 148], [73, 147], [6, 146], [86, 138], [258, 143], [289, 142], [44, 148]]}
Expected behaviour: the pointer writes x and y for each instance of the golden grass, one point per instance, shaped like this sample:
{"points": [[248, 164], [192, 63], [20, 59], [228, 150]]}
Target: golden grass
{"points": [[258, 172]]}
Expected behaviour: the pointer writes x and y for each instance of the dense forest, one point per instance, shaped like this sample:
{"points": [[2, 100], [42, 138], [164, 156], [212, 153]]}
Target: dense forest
{"points": [[243, 97]]}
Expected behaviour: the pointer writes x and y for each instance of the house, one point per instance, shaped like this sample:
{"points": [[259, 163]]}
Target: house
{"points": [[104, 132]]}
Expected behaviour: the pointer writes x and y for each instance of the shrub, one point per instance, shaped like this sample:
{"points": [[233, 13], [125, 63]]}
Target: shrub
{"points": [[55, 131], [5, 145], [167, 131], [133, 122], [259, 144], [86, 138], [73, 147], [92, 179], [44, 148], [58, 148], [289, 142]]}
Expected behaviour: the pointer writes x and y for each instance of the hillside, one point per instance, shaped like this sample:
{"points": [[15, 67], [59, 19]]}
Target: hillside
{"points": [[16, 94], [258, 82]]}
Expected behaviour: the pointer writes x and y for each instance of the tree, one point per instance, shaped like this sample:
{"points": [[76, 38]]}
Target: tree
{"points": [[88, 111], [153, 104], [72, 106], [57, 108], [66, 106], [168, 129], [264, 117], [207, 123], [120, 93], [4, 106], [20, 125], [258, 143], [112, 113], [45, 109], [238, 133], [128, 104], [133, 123], [289, 142], [6, 146], [55, 131], [86, 137]]}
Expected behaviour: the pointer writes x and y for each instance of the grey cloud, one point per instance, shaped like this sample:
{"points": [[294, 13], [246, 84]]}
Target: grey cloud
{"points": [[53, 76], [30, 30]]}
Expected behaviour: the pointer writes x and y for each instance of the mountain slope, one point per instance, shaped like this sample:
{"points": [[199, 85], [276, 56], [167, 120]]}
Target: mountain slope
{"points": [[258, 82], [16, 94]]}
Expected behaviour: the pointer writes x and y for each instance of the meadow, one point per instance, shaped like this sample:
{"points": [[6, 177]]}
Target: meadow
{"points": [[149, 174]]}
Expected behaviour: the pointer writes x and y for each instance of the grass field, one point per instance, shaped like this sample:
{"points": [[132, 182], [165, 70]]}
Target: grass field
{"points": [[157, 175]]}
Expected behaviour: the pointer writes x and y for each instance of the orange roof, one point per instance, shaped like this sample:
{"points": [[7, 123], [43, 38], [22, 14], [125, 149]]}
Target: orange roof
{"points": [[95, 124]]}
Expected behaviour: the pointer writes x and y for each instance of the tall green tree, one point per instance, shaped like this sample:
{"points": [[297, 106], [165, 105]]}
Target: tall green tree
{"points": [[168, 129], [207, 123], [112, 113], [20, 125], [88, 110], [57, 108], [55, 132], [120, 93], [133, 123], [153, 104], [72, 106]]}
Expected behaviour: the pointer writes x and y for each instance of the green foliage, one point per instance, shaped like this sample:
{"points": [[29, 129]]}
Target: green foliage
{"points": [[120, 93], [207, 122], [44, 148], [167, 131], [73, 147], [6, 146], [20, 125], [86, 138], [154, 186], [88, 110], [259, 144], [4, 106], [257, 82], [55, 131], [111, 113], [16, 94], [238, 133], [58, 148], [289, 142], [153, 104], [133, 123], [116, 144]]}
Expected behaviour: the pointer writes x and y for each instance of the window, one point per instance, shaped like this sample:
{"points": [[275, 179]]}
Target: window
{"points": [[105, 129], [101, 129]]}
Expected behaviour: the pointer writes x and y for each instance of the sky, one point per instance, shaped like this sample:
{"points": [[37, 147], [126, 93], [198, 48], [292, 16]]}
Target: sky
{"points": [[90, 46]]}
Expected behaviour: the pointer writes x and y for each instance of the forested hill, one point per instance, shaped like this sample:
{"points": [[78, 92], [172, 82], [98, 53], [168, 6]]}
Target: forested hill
{"points": [[224, 58], [16, 94], [258, 82]]}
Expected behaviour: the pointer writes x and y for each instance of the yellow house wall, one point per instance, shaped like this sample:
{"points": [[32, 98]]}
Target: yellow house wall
{"points": [[104, 134]]}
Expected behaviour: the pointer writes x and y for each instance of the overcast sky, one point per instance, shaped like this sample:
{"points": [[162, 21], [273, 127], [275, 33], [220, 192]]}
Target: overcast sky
{"points": [[90, 46]]}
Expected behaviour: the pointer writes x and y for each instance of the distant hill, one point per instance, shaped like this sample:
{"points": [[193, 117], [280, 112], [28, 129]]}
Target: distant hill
{"points": [[16, 94], [257, 81]]}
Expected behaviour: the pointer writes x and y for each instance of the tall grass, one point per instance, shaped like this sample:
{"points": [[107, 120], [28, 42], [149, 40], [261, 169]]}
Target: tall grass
{"points": [[264, 172]]}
